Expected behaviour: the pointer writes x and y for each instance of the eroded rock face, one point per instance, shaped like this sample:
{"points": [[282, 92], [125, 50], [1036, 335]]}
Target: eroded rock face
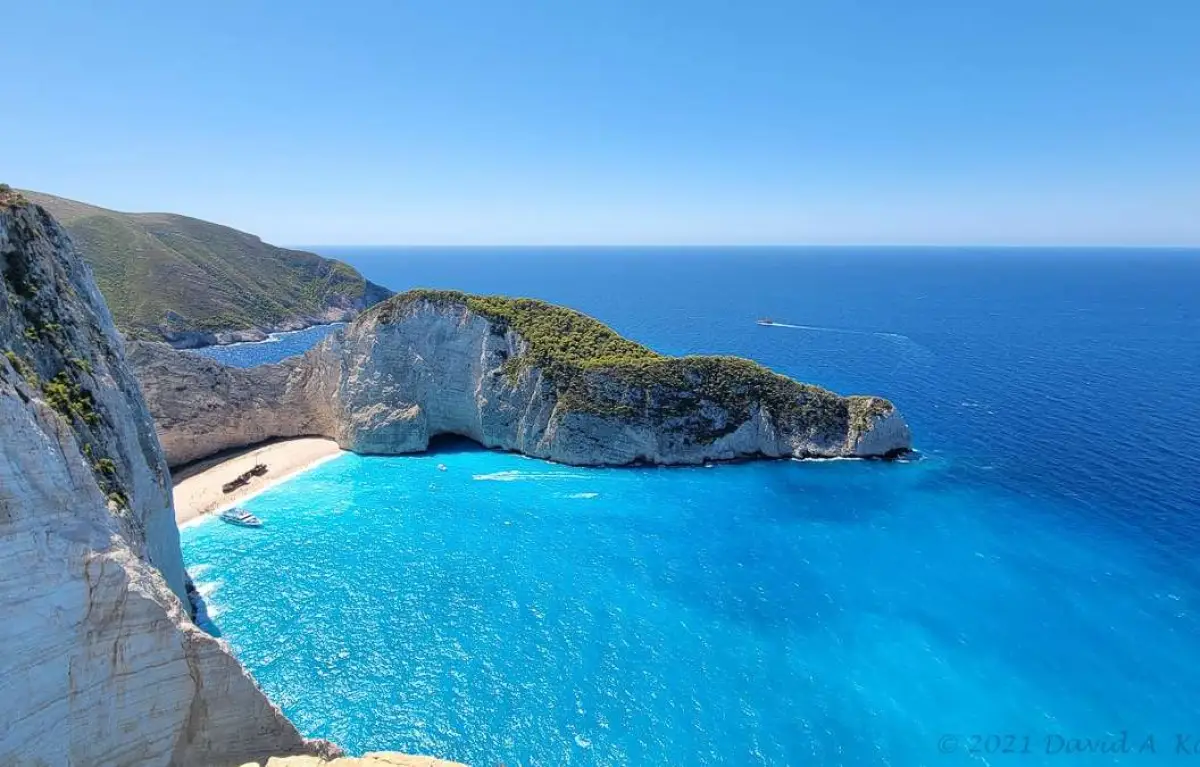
{"points": [[396, 378], [100, 662], [203, 407]]}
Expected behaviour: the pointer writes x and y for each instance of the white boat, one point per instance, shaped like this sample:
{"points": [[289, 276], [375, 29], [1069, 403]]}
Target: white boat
{"points": [[240, 517], [766, 321]]}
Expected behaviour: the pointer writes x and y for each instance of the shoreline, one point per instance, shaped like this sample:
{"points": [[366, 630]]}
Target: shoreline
{"points": [[196, 489], [271, 336]]}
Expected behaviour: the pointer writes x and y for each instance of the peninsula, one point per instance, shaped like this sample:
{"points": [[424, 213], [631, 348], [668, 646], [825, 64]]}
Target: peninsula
{"points": [[512, 374]]}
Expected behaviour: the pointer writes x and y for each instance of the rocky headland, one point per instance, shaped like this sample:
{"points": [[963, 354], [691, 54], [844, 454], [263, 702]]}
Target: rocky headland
{"points": [[512, 374]]}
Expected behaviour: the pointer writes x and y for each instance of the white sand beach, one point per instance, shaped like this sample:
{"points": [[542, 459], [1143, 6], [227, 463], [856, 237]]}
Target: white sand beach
{"points": [[197, 488]]}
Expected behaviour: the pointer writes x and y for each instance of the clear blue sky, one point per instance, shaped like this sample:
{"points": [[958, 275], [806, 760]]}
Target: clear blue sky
{"points": [[615, 121]]}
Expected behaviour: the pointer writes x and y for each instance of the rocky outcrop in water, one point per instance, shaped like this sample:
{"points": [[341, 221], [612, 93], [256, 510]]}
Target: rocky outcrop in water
{"points": [[511, 374], [101, 663]]}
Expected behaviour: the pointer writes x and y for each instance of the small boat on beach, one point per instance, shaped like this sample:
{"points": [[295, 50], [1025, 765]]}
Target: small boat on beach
{"points": [[241, 518]]}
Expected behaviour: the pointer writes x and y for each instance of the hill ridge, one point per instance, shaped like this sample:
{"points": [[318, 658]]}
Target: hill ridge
{"points": [[192, 282]]}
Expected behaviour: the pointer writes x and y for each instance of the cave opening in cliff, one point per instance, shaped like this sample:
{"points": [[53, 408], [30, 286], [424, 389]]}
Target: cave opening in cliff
{"points": [[449, 442]]}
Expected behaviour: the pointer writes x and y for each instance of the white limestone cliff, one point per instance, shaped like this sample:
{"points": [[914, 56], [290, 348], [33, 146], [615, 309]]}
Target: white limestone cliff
{"points": [[101, 664], [425, 364]]}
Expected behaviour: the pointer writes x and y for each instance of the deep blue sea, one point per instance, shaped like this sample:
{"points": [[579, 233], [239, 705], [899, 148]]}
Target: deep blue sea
{"points": [[1027, 589]]}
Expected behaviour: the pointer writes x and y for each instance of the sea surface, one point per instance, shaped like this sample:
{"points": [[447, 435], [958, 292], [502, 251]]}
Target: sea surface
{"points": [[1027, 592], [278, 346]]}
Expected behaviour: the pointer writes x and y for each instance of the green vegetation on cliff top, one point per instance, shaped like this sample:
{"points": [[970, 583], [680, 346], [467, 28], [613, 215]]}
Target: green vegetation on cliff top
{"points": [[161, 272], [568, 345], [10, 196]]}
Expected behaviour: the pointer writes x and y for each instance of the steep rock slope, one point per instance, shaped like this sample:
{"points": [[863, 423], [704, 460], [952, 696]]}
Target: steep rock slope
{"points": [[192, 283], [202, 407], [101, 663], [515, 374]]}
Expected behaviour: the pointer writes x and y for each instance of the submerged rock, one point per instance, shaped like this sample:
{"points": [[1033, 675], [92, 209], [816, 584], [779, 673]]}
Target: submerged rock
{"points": [[101, 663], [514, 374]]}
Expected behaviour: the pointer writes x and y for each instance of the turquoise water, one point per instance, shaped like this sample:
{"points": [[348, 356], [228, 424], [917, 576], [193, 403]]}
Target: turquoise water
{"points": [[1033, 578], [512, 611]]}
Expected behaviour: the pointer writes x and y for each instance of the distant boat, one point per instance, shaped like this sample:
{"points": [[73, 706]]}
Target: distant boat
{"points": [[240, 517], [766, 321]]}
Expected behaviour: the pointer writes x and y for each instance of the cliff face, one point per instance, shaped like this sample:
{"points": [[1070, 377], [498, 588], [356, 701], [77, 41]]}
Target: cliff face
{"points": [[202, 407], [101, 663], [515, 375]]}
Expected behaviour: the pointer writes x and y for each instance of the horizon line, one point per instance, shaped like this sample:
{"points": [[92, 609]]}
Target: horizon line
{"points": [[758, 246]]}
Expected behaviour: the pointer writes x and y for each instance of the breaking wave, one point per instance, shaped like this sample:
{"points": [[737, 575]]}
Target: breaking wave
{"points": [[516, 475]]}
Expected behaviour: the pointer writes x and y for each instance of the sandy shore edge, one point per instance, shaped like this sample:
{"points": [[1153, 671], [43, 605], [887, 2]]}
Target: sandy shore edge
{"points": [[197, 489]]}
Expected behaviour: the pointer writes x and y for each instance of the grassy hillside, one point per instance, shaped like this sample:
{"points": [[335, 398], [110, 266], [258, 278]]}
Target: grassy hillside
{"points": [[164, 275]]}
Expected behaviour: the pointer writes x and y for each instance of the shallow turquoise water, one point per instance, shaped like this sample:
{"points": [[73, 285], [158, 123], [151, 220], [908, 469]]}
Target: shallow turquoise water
{"points": [[1037, 575], [508, 610]]}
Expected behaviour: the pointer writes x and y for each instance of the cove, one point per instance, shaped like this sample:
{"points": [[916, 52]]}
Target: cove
{"points": [[509, 610]]}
